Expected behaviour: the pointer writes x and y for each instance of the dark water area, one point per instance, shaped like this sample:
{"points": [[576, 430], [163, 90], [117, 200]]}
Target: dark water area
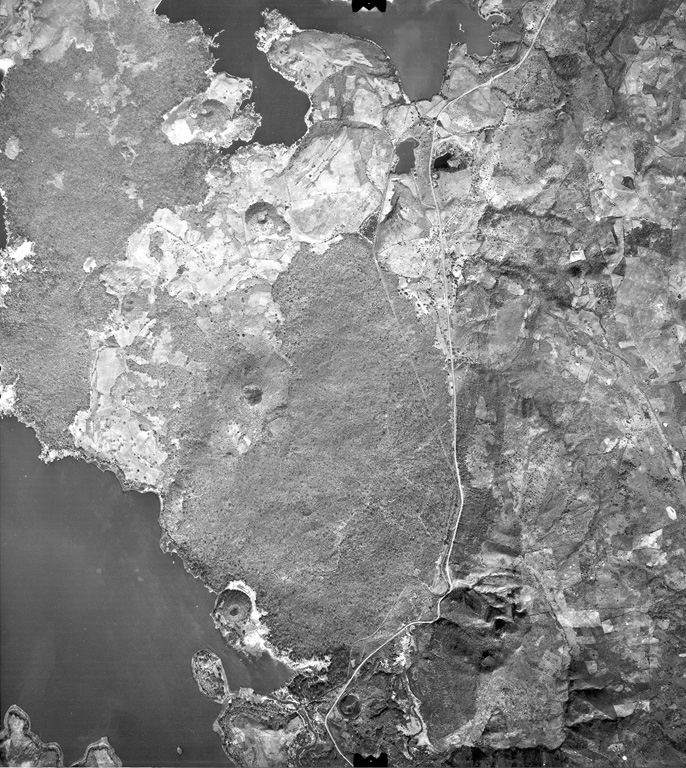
{"points": [[442, 162], [97, 624], [405, 152], [416, 34]]}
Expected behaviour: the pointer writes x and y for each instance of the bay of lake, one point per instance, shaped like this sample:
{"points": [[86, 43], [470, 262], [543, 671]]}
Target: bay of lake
{"points": [[416, 34], [97, 624]]}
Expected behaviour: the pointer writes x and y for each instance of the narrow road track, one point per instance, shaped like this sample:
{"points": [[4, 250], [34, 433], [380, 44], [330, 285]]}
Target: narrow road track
{"points": [[443, 562]]}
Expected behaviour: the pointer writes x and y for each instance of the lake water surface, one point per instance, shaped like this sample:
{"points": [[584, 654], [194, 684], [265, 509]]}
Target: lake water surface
{"points": [[416, 34], [98, 625]]}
